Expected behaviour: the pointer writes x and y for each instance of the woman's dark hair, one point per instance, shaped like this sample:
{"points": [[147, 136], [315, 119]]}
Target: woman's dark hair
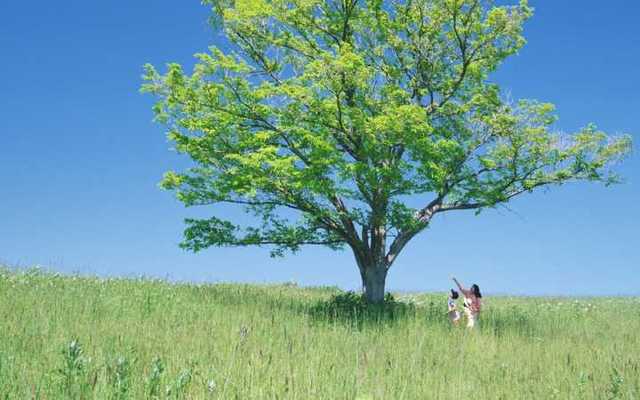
{"points": [[476, 290], [454, 294]]}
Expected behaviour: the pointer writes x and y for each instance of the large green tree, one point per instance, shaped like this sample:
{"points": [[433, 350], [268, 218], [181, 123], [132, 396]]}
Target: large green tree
{"points": [[322, 117]]}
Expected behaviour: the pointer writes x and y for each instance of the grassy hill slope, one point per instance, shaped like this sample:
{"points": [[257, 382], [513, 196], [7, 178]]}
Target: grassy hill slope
{"points": [[81, 337]]}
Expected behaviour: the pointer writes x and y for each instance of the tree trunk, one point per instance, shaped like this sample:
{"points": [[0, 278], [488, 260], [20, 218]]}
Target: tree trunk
{"points": [[373, 281]]}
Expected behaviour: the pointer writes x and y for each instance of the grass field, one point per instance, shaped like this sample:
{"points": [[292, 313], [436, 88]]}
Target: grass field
{"points": [[67, 337]]}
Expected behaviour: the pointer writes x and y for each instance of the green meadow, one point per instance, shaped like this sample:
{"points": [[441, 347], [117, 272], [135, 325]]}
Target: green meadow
{"points": [[72, 337]]}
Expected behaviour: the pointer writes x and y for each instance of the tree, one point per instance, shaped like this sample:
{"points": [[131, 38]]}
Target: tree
{"points": [[322, 117]]}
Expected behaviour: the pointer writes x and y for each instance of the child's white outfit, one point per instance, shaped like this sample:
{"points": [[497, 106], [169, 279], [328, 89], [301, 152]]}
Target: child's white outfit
{"points": [[454, 314]]}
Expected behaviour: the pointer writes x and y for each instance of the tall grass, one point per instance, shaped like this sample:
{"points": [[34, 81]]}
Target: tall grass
{"points": [[78, 337]]}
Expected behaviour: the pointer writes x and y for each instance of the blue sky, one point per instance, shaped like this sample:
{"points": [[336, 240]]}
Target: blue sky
{"points": [[80, 157]]}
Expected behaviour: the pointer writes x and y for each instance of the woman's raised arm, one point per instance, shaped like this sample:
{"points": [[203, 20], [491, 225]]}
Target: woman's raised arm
{"points": [[458, 284]]}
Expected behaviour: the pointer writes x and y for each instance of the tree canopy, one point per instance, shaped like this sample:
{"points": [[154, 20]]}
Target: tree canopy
{"points": [[323, 117]]}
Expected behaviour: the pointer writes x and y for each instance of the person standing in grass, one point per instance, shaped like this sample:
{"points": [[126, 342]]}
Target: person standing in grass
{"points": [[454, 314], [472, 303]]}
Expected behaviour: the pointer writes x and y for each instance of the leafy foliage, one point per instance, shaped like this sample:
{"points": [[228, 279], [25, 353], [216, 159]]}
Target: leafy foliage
{"points": [[322, 116]]}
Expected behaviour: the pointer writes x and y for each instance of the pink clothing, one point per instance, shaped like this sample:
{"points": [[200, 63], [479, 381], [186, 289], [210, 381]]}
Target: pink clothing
{"points": [[472, 302]]}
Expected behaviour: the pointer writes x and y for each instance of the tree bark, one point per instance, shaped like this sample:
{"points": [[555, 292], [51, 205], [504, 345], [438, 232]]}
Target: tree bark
{"points": [[373, 282]]}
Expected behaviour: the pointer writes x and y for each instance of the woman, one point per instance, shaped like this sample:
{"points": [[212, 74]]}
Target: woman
{"points": [[472, 303]]}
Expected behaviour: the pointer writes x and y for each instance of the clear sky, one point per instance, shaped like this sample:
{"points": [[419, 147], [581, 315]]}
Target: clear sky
{"points": [[80, 158]]}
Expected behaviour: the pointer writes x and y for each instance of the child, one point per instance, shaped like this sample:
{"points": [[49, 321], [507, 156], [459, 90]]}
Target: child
{"points": [[454, 314]]}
